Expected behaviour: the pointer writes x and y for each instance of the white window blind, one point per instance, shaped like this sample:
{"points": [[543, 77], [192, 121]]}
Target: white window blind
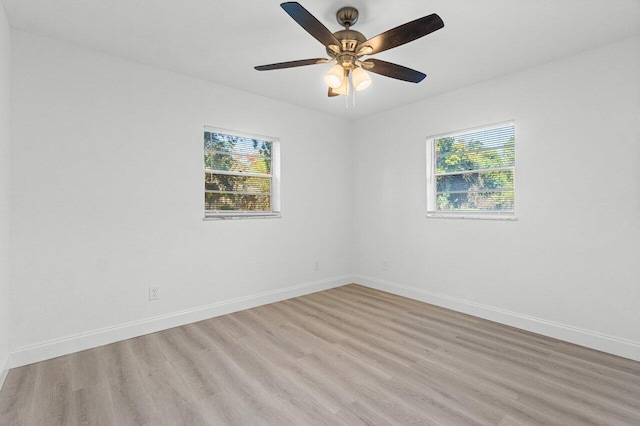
{"points": [[241, 174], [471, 173]]}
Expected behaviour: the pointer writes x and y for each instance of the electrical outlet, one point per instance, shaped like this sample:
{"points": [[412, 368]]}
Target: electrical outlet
{"points": [[385, 265], [317, 266], [154, 293]]}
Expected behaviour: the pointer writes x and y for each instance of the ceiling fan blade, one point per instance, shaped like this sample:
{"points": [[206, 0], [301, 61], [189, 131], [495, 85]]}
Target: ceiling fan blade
{"points": [[400, 35], [310, 23], [292, 64], [399, 72], [332, 93]]}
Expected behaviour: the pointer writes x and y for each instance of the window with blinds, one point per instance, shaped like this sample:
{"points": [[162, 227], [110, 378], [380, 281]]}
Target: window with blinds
{"points": [[241, 175], [471, 173]]}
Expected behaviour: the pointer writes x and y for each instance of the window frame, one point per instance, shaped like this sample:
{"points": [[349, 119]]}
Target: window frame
{"points": [[275, 198], [431, 180]]}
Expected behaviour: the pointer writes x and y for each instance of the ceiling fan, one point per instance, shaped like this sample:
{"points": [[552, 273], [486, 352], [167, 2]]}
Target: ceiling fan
{"points": [[347, 47]]}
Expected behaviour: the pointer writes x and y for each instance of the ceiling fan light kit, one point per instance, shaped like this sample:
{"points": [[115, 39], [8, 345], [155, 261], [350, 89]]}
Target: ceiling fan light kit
{"points": [[347, 47]]}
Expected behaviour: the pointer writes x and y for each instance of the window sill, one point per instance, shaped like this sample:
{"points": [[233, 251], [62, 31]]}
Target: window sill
{"points": [[472, 216], [232, 216]]}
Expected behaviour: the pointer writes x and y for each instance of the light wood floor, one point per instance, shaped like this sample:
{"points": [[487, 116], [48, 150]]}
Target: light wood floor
{"points": [[350, 355]]}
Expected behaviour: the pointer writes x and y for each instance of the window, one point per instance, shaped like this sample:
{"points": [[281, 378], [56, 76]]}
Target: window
{"points": [[470, 174], [241, 175]]}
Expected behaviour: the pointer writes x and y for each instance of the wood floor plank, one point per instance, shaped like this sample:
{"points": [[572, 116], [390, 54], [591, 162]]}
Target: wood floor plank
{"points": [[91, 406], [330, 397], [131, 399], [530, 387], [52, 393], [16, 397], [369, 391], [374, 334], [260, 381], [424, 391], [402, 333], [356, 414], [345, 356]]}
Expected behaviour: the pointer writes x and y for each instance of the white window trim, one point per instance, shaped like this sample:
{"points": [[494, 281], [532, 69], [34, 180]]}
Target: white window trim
{"points": [[431, 184], [275, 181]]}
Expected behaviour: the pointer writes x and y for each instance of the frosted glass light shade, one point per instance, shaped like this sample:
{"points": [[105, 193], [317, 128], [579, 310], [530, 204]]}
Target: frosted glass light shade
{"points": [[334, 76], [361, 79]]}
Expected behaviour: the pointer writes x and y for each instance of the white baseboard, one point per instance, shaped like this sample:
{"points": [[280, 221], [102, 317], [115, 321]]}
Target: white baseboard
{"points": [[70, 344], [4, 370], [75, 343], [590, 339]]}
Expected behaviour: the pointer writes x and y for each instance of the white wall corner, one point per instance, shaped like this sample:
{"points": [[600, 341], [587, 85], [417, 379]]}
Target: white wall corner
{"points": [[79, 342], [578, 336]]}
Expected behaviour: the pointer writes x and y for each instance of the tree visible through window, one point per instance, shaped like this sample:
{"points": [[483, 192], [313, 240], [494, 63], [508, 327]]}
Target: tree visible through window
{"points": [[240, 174], [472, 172]]}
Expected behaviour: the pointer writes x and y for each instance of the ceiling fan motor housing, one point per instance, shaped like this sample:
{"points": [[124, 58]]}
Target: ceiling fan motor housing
{"points": [[349, 40]]}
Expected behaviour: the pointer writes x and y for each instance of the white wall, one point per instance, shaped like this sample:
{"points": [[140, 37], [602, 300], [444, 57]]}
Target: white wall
{"points": [[108, 200], [569, 266], [5, 85]]}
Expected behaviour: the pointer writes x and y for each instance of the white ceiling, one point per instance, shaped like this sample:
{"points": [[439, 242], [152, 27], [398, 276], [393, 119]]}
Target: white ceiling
{"points": [[221, 40]]}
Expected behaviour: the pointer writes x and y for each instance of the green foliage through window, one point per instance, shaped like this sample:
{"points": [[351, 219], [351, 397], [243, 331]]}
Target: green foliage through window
{"points": [[237, 173], [474, 171]]}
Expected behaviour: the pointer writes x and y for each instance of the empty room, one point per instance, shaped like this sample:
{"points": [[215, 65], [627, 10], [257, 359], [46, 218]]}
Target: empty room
{"points": [[344, 213]]}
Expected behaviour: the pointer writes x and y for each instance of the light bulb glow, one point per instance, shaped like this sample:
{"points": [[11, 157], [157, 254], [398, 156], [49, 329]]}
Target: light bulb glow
{"points": [[361, 79], [333, 78]]}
